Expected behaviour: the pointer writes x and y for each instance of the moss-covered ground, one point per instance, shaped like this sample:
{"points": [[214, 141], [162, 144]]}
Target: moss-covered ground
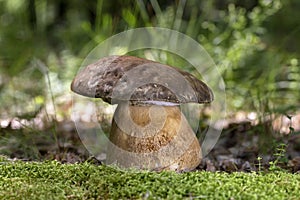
{"points": [[53, 180]]}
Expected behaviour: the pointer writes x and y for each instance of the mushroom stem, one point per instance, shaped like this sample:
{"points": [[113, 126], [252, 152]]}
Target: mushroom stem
{"points": [[152, 137]]}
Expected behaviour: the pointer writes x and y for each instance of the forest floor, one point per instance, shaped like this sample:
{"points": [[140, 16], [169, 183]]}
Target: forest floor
{"points": [[242, 146]]}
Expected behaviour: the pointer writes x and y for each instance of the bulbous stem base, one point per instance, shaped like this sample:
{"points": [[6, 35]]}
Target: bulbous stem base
{"points": [[152, 137]]}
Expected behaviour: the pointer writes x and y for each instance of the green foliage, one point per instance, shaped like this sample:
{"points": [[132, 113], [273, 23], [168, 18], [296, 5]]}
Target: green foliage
{"points": [[251, 67], [253, 43], [259, 163], [52, 180], [279, 157]]}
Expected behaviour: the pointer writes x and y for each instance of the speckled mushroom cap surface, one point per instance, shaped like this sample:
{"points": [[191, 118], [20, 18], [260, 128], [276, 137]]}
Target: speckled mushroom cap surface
{"points": [[138, 80]]}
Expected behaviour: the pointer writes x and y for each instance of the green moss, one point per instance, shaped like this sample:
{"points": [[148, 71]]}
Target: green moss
{"points": [[52, 180]]}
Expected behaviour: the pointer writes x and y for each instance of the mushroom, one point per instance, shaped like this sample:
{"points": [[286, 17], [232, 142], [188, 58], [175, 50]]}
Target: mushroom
{"points": [[148, 130]]}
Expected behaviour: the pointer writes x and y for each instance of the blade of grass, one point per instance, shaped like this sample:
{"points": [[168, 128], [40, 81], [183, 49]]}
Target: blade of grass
{"points": [[178, 16], [143, 11], [44, 69]]}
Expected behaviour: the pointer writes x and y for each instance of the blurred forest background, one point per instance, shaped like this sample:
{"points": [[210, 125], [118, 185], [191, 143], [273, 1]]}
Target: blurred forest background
{"points": [[254, 43]]}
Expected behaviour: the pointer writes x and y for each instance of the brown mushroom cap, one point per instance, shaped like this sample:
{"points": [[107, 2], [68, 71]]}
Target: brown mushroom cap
{"points": [[118, 78]]}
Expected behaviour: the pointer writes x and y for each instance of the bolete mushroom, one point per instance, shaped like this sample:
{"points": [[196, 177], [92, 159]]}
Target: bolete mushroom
{"points": [[148, 129]]}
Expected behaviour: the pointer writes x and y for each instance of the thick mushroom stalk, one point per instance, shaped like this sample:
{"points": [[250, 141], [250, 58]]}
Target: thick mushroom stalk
{"points": [[152, 137]]}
